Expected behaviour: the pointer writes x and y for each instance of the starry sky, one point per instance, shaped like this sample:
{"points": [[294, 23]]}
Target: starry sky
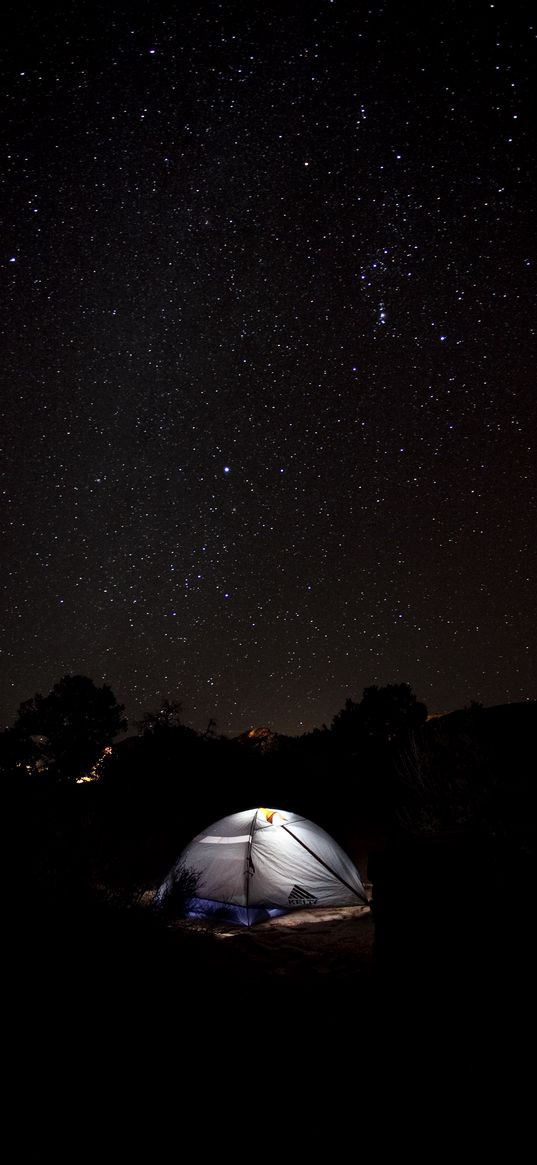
{"points": [[267, 396]]}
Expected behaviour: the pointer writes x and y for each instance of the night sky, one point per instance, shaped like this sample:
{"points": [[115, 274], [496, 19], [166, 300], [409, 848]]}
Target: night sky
{"points": [[268, 391]]}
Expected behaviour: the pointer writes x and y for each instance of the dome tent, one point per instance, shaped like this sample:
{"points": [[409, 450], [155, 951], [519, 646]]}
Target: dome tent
{"points": [[263, 862]]}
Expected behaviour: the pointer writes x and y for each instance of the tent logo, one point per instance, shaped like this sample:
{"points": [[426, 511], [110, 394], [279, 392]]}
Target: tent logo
{"points": [[301, 897]]}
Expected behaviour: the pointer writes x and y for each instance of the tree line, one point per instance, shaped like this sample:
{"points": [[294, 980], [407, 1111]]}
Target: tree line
{"points": [[63, 736]]}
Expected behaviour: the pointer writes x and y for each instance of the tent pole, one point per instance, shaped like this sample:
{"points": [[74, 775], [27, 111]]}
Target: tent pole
{"points": [[248, 864], [325, 864]]}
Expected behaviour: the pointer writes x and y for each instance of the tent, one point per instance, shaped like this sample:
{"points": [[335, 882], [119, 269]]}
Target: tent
{"points": [[261, 863]]}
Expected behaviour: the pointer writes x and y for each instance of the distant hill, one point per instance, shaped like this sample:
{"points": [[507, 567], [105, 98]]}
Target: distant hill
{"points": [[262, 739]]}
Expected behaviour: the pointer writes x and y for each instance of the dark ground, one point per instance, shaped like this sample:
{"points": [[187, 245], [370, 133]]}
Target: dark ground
{"points": [[135, 1041]]}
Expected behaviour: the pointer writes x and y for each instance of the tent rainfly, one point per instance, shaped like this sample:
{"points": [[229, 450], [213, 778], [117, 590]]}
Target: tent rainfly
{"points": [[264, 862]]}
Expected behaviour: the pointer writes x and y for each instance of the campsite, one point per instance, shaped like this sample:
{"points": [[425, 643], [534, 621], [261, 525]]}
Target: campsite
{"points": [[425, 957], [437, 828]]}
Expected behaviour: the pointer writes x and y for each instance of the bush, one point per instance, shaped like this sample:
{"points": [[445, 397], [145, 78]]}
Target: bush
{"points": [[173, 901]]}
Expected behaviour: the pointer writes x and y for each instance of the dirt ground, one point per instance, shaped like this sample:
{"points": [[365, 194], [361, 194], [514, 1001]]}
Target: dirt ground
{"points": [[334, 943]]}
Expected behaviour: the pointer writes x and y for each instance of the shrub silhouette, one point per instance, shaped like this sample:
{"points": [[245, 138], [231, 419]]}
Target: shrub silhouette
{"points": [[69, 728], [183, 888]]}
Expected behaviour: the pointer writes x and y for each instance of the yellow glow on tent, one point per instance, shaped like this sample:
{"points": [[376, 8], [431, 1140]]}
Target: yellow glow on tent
{"points": [[272, 816]]}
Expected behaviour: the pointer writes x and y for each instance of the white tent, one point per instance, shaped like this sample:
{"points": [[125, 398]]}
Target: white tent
{"points": [[264, 862]]}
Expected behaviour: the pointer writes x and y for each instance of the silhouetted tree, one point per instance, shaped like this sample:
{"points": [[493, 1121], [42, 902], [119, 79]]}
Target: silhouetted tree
{"points": [[381, 719], [346, 724], [18, 755], [65, 732], [168, 717], [388, 713]]}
